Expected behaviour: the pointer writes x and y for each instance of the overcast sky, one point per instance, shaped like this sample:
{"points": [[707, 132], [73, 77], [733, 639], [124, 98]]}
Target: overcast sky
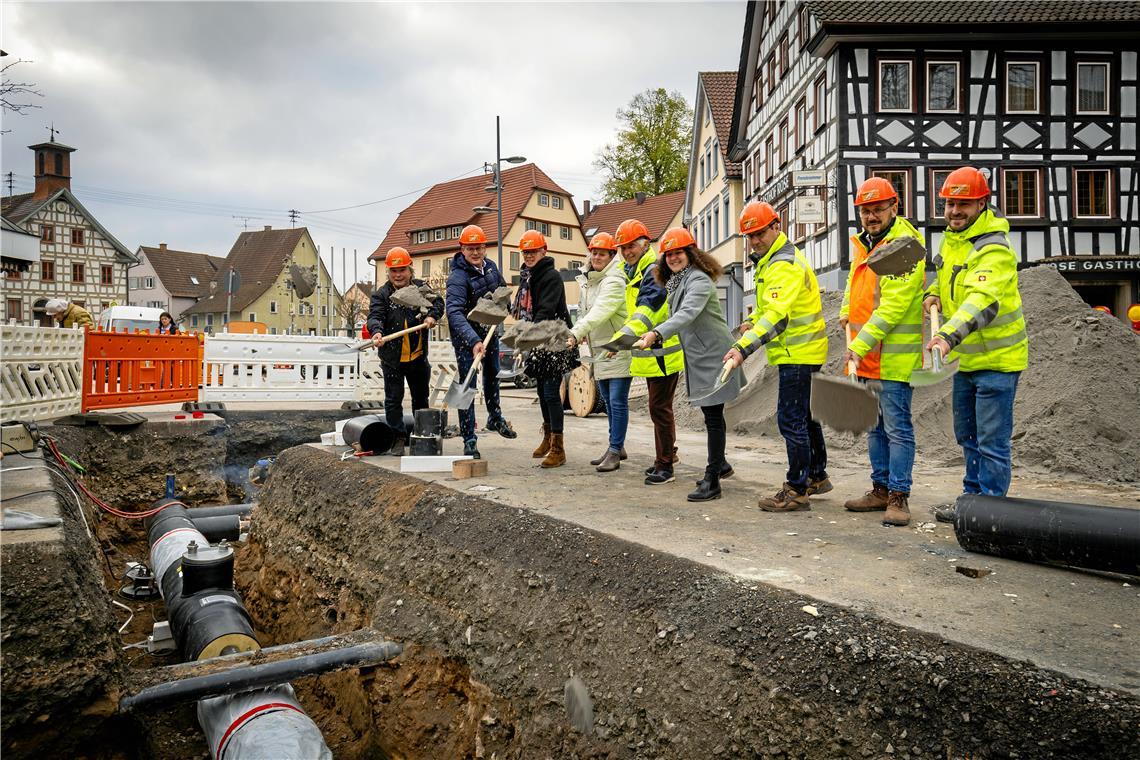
{"points": [[186, 115]]}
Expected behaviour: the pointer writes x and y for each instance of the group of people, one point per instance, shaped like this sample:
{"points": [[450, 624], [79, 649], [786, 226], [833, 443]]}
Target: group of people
{"points": [[666, 304]]}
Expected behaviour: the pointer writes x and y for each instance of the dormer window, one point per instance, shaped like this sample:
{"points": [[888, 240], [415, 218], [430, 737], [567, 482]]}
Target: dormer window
{"points": [[193, 280]]}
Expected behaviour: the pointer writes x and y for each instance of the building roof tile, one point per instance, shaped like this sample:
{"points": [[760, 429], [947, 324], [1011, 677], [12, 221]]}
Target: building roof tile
{"points": [[720, 90], [655, 212], [450, 204], [258, 256], [972, 12], [178, 270]]}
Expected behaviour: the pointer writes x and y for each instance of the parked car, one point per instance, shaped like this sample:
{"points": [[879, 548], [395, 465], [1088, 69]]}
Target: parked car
{"points": [[129, 318], [507, 360]]}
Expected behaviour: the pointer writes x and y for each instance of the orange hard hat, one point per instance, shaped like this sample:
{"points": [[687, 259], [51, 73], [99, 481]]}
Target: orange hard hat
{"points": [[966, 183], [676, 239], [874, 190], [756, 216], [532, 240], [398, 257], [604, 241], [472, 235], [629, 231]]}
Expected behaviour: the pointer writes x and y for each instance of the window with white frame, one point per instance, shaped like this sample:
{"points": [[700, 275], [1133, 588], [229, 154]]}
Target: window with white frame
{"points": [[900, 180], [942, 86], [1021, 193], [194, 320], [701, 172], [716, 223], [1092, 88], [726, 217], [324, 310], [425, 268], [253, 316], [439, 235], [937, 180], [543, 199], [556, 201], [820, 102], [272, 307], [801, 123], [515, 260], [896, 86], [785, 142], [455, 232], [209, 320], [148, 282], [564, 233], [422, 237], [714, 157], [542, 227], [1022, 87], [773, 156], [1092, 196]]}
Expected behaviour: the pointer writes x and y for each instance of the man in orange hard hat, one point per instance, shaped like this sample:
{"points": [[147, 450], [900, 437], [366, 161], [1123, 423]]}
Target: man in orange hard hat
{"points": [[473, 275], [882, 318], [976, 291], [403, 359]]}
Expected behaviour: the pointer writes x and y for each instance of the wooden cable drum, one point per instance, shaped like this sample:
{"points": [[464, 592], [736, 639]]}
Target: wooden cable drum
{"points": [[583, 392]]}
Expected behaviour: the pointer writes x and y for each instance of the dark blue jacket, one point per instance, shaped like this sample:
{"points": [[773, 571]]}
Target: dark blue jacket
{"points": [[465, 285], [385, 318]]}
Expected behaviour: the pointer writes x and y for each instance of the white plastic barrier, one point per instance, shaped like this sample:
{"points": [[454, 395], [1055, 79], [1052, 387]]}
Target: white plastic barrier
{"points": [[370, 382], [41, 374], [277, 368]]}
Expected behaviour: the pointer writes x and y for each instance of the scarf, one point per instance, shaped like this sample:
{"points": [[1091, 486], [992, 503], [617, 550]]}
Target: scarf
{"points": [[523, 307], [675, 280]]}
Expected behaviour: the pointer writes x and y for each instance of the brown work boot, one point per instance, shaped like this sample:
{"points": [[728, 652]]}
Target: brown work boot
{"points": [[543, 447], [898, 513], [874, 500], [787, 499], [556, 457], [611, 461], [819, 486]]}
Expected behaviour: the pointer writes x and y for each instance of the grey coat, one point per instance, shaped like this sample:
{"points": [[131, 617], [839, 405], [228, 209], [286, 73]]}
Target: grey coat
{"points": [[695, 315]]}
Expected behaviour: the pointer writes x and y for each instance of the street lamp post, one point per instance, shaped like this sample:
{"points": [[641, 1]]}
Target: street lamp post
{"points": [[497, 187]]}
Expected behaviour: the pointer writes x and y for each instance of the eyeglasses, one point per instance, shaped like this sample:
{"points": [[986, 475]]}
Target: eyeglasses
{"points": [[875, 210]]}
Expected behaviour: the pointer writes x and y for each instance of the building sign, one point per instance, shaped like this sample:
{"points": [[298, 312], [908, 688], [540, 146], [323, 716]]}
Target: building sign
{"points": [[809, 178], [809, 209], [776, 189], [1094, 266]]}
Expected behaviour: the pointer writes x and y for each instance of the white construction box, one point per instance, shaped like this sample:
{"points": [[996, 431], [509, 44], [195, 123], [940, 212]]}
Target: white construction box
{"points": [[429, 464]]}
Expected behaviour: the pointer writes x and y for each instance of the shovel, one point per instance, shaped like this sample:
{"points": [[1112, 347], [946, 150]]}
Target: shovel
{"points": [[721, 381], [461, 396], [514, 370], [622, 342], [899, 256], [939, 370], [843, 404], [360, 345]]}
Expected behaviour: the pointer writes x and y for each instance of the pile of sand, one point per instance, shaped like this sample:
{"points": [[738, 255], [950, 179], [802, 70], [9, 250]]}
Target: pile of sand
{"points": [[1078, 404]]}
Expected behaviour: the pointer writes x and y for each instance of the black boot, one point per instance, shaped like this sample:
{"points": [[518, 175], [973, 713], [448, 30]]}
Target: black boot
{"points": [[708, 488]]}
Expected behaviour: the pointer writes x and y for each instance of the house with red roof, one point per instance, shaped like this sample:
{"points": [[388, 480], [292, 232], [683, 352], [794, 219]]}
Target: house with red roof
{"points": [[429, 228], [657, 212]]}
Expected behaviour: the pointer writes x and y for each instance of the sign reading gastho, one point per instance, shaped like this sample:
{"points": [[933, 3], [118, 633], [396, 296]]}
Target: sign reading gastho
{"points": [[1097, 265], [809, 178], [809, 209]]}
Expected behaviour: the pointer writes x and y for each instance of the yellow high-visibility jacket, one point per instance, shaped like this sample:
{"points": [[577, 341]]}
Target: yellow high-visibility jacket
{"points": [[884, 313], [642, 293], [981, 306], [788, 319]]}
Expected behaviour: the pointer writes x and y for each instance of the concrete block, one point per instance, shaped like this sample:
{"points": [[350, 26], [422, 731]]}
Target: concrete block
{"points": [[429, 464], [469, 468]]}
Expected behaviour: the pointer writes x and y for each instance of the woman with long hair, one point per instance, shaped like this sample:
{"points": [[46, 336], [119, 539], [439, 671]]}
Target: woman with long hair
{"points": [[166, 325], [695, 316]]}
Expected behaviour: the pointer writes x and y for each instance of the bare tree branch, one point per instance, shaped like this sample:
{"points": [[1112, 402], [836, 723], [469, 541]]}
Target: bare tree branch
{"points": [[15, 96]]}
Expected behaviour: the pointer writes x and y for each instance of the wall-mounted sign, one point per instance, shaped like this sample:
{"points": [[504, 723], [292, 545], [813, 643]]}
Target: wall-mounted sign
{"points": [[809, 178], [1092, 266], [809, 209]]}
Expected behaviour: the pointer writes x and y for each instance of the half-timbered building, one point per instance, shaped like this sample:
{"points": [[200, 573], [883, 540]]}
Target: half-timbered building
{"points": [[1042, 96]]}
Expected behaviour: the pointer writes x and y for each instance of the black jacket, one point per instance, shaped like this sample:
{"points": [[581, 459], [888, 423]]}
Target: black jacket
{"points": [[385, 318], [547, 293]]}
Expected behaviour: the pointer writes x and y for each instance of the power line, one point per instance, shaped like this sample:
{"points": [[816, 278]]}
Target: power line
{"points": [[394, 197]]}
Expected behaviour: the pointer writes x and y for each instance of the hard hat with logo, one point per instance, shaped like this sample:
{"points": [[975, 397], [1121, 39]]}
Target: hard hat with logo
{"points": [[398, 257], [629, 231], [874, 190], [473, 235], [966, 183], [756, 216], [603, 241], [531, 240], [676, 239]]}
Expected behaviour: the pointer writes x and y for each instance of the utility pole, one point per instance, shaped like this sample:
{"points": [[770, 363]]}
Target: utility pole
{"points": [[332, 286], [499, 193], [293, 215], [355, 284], [318, 319], [10, 179]]}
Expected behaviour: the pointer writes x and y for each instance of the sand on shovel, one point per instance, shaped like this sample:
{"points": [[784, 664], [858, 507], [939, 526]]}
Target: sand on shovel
{"points": [[549, 334], [411, 297]]}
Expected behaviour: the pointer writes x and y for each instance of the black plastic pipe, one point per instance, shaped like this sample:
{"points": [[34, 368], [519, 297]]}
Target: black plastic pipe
{"points": [[1050, 532], [218, 527], [259, 676], [241, 510]]}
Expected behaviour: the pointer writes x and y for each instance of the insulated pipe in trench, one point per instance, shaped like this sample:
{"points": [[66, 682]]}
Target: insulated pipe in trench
{"points": [[207, 619], [1050, 532], [218, 527], [241, 510]]}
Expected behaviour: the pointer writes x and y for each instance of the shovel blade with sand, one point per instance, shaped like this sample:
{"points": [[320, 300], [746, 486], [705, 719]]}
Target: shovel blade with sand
{"points": [[622, 342], [897, 257], [411, 297], [939, 368], [485, 312], [844, 404], [721, 381]]}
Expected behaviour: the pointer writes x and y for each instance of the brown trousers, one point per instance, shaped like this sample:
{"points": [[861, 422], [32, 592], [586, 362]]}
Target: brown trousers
{"points": [[661, 390]]}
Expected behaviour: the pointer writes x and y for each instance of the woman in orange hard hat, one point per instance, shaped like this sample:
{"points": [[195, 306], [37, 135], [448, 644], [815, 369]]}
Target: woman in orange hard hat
{"points": [[402, 359]]}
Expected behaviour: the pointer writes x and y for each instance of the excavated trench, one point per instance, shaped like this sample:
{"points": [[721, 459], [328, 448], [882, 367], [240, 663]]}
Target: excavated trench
{"points": [[497, 607]]}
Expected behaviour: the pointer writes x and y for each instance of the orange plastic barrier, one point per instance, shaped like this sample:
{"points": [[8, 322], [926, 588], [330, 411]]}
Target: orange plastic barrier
{"points": [[134, 369]]}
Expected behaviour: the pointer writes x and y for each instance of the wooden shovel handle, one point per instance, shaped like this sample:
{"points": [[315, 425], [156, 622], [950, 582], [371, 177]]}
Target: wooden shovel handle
{"points": [[479, 359], [384, 339], [724, 373], [935, 354], [852, 366]]}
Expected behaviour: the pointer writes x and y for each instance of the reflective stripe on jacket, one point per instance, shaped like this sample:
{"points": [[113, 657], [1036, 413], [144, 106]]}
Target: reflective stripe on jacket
{"points": [[981, 306], [643, 318], [788, 320], [885, 313]]}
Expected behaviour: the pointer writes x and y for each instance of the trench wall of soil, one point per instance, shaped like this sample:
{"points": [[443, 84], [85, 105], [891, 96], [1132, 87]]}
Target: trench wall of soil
{"points": [[499, 606]]}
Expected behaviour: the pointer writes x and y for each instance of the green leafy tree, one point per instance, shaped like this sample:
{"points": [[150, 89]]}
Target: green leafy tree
{"points": [[651, 152]]}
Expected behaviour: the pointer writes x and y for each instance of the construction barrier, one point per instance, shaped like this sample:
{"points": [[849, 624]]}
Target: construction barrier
{"points": [[41, 370], [277, 368], [136, 369]]}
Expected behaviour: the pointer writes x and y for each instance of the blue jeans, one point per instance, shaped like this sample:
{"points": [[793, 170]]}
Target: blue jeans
{"points": [[616, 392], [983, 424], [803, 436], [891, 442], [490, 368]]}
